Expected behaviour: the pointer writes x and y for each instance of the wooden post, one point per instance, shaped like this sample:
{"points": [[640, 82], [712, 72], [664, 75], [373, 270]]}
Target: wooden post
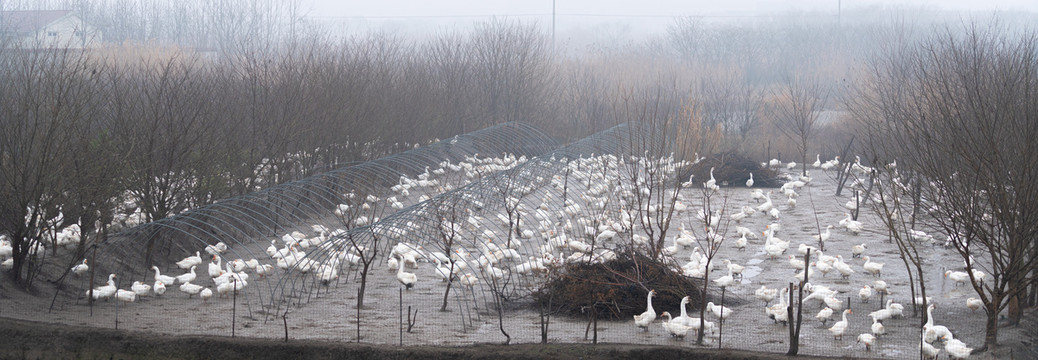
{"points": [[720, 322], [401, 308], [234, 303]]}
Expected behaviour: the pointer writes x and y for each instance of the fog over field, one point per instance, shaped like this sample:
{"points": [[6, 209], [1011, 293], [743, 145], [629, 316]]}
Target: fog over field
{"points": [[526, 172]]}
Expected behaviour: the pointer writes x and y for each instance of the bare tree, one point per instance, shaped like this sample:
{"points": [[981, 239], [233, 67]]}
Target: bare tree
{"points": [[958, 111], [49, 99], [799, 101]]}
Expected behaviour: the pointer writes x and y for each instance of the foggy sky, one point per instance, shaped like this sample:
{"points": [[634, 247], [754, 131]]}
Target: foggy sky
{"points": [[627, 17], [446, 8]]}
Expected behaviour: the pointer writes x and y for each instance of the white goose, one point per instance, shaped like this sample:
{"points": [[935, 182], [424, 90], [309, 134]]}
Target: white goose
{"points": [[684, 318], [824, 315], [81, 268], [216, 267], [959, 277], [125, 295], [878, 328], [190, 289], [405, 278], [676, 329], [957, 349], [765, 294], [725, 281], [865, 293], [190, 261], [740, 243], [868, 340], [734, 269], [141, 289], [104, 291], [188, 276], [749, 183], [206, 294], [933, 332], [857, 250], [166, 279], [873, 268], [929, 352], [767, 205], [840, 326], [722, 312], [974, 303], [712, 183], [159, 288], [644, 319], [823, 237]]}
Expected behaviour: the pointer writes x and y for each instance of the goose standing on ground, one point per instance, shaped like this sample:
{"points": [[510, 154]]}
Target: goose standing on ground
{"points": [[405, 278], [865, 293], [857, 250], [959, 277], [644, 319], [188, 276], [104, 291], [749, 183], [722, 312], [190, 261], [712, 183], [725, 281], [206, 294], [929, 352], [765, 294], [684, 318], [734, 269], [81, 268], [824, 315], [823, 237], [818, 161], [125, 295], [675, 329], [873, 268], [974, 303], [868, 340], [878, 328], [933, 332], [840, 326], [957, 349], [215, 267], [159, 288], [190, 289], [141, 289], [165, 279]]}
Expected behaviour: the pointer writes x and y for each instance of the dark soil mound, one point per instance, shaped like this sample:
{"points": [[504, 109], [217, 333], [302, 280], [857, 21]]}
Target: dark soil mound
{"points": [[731, 169], [618, 288]]}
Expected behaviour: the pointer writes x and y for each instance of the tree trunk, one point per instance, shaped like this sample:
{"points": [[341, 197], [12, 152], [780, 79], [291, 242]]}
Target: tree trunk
{"points": [[991, 327]]}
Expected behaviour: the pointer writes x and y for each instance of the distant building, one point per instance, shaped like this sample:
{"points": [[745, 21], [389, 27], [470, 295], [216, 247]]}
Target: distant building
{"points": [[47, 29]]}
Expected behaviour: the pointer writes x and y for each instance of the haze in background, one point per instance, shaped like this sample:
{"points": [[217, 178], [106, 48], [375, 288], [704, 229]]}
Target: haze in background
{"points": [[636, 17]]}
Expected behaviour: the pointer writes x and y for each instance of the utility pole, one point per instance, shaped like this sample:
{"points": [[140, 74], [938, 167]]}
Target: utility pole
{"points": [[553, 24]]}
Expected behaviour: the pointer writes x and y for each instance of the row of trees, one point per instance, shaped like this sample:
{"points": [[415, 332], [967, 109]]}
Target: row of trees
{"points": [[959, 113]]}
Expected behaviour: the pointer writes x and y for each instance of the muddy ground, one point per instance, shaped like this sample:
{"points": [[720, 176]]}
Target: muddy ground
{"points": [[322, 321], [34, 340]]}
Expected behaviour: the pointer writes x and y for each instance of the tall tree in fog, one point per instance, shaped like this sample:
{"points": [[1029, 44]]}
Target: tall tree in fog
{"points": [[48, 104], [512, 70], [960, 110], [799, 101]]}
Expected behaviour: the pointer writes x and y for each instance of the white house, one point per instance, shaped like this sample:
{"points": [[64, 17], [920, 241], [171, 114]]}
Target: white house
{"points": [[48, 29]]}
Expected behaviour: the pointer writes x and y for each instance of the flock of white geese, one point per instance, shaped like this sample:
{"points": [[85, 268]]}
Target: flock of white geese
{"points": [[822, 264], [601, 184]]}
